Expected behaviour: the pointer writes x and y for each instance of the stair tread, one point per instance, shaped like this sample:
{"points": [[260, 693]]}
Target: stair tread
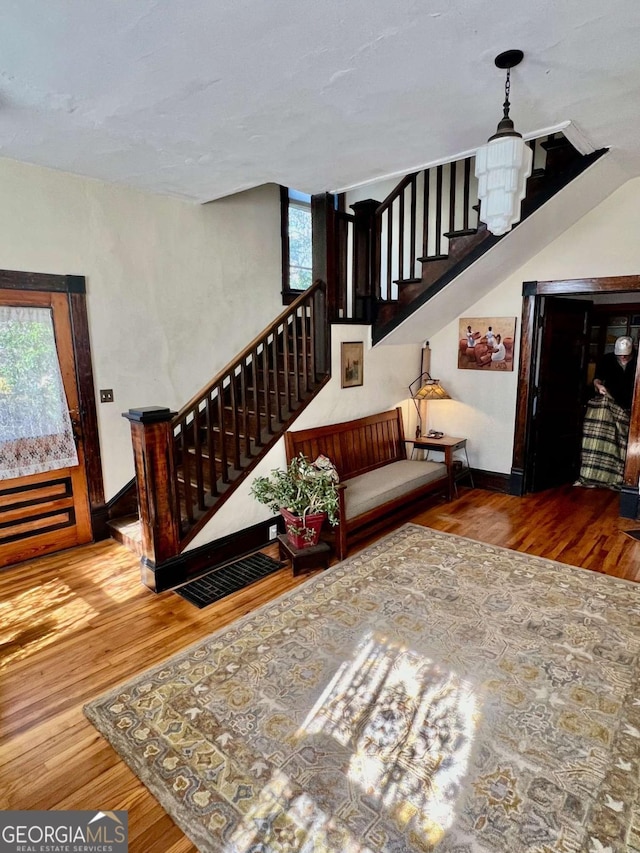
{"points": [[563, 164], [128, 525], [556, 142], [463, 232], [414, 280], [127, 530]]}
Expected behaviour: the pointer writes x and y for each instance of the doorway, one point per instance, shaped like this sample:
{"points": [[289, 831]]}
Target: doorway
{"points": [[559, 383], [546, 449], [51, 488]]}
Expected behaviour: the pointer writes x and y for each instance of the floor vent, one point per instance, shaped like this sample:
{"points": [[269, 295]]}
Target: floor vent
{"points": [[221, 582]]}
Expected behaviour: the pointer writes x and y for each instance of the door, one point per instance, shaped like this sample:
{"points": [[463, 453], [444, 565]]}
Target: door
{"points": [[554, 451], [49, 510]]}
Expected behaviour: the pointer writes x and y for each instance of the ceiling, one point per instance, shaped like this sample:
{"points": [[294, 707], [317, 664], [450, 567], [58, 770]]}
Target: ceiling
{"points": [[205, 98]]}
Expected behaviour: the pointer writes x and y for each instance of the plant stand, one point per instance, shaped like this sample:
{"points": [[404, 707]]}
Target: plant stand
{"points": [[304, 559]]}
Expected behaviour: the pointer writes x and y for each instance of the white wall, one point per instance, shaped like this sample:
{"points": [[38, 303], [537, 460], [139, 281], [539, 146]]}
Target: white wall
{"points": [[386, 377], [602, 243], [164, 277]]}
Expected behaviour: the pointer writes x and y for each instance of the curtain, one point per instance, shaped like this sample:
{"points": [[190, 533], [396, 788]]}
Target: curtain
{"points": [[35, 427]]}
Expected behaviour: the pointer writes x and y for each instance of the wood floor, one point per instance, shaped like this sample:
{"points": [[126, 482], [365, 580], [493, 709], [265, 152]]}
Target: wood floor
{"points": [[78, 623]]}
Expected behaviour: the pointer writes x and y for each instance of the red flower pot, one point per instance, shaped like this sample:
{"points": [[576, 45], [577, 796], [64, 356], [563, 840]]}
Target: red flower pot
{"points": [[303, 533]]}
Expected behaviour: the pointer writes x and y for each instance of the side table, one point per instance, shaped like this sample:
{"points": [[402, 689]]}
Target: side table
{"points": [[304, 559], [448, 444]]}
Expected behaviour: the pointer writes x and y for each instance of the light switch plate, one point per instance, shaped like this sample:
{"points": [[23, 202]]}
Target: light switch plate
{"points": [[106, 395]]}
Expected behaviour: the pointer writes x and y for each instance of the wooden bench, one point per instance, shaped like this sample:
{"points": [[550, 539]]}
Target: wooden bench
{"points": [[375, 475]]}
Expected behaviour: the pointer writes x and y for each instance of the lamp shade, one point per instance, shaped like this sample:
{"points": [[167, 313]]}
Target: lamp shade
{"points": [[502, 168], [431, 390], [426, 388]]}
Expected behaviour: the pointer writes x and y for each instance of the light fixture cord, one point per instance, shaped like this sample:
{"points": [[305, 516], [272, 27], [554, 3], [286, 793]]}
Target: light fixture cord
{"points": [[507, 90]]}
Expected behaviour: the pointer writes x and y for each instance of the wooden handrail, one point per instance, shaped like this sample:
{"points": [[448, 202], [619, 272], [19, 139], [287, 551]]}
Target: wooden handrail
{"points": [[189, 463], [383, 255], [395, 192], [232, 365], [221, 431]]}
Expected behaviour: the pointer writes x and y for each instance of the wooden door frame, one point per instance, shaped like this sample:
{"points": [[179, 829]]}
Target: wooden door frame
{"points": [[74, 286], [532, 295]]}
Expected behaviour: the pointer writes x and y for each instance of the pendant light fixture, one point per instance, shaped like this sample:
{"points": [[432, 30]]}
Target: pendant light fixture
{"points": [[503, 164]]}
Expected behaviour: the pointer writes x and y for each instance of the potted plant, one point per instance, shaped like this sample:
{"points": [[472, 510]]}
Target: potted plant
{"points": [[305, 494]]}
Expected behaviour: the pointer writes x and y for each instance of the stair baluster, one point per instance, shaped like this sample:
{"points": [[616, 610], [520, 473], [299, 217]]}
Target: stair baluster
{"points": [[386, 268], [189, 463]]}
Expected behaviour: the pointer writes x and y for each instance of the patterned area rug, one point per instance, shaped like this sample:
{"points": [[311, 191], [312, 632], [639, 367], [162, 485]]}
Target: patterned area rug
{"points": [[429, 693]]}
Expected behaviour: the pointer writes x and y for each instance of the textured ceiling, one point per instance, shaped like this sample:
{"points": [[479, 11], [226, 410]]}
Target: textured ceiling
{"points": [[204, 98]]}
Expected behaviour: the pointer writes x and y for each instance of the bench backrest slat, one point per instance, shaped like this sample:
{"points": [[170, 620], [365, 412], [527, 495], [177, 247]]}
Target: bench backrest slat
{"points": [[354, 447]]}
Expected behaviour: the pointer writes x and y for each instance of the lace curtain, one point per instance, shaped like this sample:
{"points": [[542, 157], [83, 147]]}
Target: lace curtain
{"points": [[35, 427]]}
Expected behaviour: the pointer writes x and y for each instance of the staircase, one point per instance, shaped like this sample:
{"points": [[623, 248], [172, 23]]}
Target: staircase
{"points": [[381, 263], [189, 463], [411, 245]]}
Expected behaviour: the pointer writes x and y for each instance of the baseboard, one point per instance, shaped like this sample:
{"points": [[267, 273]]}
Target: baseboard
{"points": [[628, 502], [516, 482], [213, 555], [491, 480], [99, 519]]}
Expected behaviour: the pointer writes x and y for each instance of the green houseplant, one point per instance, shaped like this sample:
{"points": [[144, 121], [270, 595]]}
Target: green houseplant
{"points": [[305, 494]]}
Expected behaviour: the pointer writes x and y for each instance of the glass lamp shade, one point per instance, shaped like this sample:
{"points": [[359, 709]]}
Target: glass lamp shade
{"points": [[502, 168], [431, 390]]}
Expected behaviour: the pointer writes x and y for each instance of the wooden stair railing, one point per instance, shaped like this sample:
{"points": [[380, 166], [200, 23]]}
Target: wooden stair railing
{"points": [[189, 462], [392, 256]]}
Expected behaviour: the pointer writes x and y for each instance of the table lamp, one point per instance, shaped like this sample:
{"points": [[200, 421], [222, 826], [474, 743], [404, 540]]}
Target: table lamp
{"points": [[422, 389]]}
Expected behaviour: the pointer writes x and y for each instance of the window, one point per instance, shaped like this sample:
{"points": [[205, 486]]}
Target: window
{"points": [[296, 242]]}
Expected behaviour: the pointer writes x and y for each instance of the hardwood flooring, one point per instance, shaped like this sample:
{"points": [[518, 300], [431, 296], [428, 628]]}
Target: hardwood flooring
{"points": [[76, 624]]}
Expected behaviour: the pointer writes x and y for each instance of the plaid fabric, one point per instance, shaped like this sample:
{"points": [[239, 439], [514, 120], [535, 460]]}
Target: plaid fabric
{"points": [[604, 443]]}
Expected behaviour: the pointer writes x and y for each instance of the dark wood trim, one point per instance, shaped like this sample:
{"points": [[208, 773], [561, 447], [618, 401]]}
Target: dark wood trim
{"points": [[492, 481], [568, 286], [533, 294], [75, 287], [155, 464], [284, 241], [516, 482], [125, 502], [323, 256], [17, 280], [528, 339], [191, 564], [76, 284], [629, 502], [87, 400], [366, 247]]}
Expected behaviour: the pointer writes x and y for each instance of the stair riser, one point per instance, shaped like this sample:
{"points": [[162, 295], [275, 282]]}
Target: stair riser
{"points": [[560, 158]]}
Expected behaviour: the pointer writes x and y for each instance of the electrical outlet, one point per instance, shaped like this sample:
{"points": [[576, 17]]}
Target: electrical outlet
{"points": [[106, 395], [273, 531]]}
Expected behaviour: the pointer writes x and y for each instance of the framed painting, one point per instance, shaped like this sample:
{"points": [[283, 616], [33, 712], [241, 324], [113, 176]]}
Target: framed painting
{"points": [[486, 343], [351, 361]]}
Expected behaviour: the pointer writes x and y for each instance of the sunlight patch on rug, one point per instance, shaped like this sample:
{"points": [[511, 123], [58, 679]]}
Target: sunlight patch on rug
{"points": [[429, 693]]}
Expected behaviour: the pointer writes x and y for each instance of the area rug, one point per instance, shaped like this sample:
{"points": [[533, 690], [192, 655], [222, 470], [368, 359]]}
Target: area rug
{"points": [[431, 693]]}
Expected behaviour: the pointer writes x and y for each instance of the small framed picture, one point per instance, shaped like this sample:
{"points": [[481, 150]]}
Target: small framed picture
{"points": [[352, 357]]}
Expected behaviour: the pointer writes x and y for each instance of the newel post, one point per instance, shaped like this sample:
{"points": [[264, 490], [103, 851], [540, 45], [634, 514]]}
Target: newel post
{"points": [[366, 252], [153, 453], [323, 247]]}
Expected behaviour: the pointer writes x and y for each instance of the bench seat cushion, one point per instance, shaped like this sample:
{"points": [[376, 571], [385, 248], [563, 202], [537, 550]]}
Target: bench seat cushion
{"points": [[377, 487]]}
